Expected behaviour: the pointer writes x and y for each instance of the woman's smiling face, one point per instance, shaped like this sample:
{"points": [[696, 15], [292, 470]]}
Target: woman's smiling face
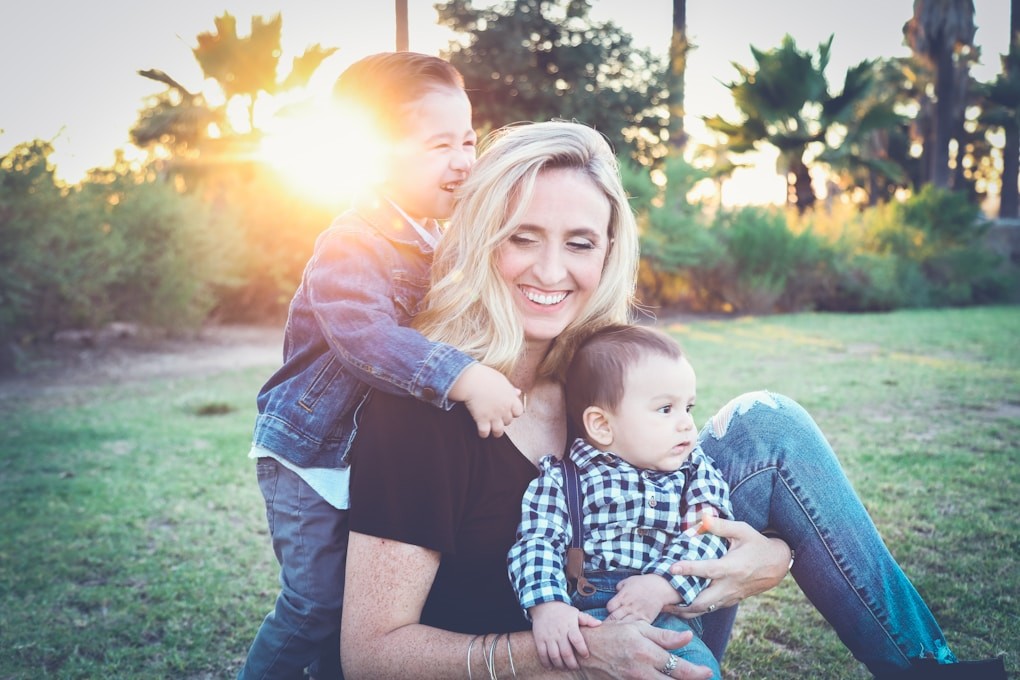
{"points": [[553, 261]]}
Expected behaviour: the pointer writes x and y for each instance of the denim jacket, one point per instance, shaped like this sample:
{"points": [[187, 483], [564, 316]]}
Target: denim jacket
{"points": [[347, 331]]}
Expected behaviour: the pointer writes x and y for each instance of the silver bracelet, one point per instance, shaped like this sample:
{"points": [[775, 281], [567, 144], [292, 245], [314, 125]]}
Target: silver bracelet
{"points": [[510, 655], [470, 645], [491, 662]]}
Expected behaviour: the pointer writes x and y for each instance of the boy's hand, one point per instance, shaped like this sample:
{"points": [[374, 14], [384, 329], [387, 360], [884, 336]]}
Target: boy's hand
{"points": [[641, 598], [490, 398], [557, 630]]}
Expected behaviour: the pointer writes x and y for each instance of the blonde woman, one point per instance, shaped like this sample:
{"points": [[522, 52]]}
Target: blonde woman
{"points": [[541, 251]]}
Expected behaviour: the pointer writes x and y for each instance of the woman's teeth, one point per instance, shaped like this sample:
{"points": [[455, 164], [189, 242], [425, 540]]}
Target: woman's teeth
{"points": [[543, 299]]}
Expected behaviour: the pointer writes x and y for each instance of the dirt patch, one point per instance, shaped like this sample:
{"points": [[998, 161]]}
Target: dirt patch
{"points": [[114, 359]]}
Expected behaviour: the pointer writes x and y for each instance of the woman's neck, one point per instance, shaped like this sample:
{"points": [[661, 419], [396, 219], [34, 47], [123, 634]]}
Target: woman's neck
{"points": [[525, 373]]}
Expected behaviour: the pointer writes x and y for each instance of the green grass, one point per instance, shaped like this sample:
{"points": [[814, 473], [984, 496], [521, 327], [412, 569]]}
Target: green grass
{"points": [[134, 540]]}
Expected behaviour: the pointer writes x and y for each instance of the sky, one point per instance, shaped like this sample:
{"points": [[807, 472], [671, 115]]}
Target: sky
{"points": [[69, 68]]}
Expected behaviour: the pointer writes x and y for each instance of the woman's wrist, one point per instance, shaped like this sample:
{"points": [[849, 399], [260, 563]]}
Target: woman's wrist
{"points": [[783, 560]]}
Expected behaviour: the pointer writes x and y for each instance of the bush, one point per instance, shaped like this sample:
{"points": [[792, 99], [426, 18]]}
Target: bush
{"points": [[767, 266], [118, 247]]}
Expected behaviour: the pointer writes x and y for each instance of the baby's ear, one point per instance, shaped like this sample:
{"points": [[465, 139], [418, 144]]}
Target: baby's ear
{"points": [[597, 427]]}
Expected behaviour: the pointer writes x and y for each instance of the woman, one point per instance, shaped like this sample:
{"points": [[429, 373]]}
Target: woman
{"points": [[434, 508]]}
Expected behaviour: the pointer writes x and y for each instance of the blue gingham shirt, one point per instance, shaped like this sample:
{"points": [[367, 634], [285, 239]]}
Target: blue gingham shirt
{"points": [[632, 519]]}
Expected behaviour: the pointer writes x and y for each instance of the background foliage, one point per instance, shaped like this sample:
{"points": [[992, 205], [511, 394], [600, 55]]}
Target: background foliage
{"points": [[204, 230]]}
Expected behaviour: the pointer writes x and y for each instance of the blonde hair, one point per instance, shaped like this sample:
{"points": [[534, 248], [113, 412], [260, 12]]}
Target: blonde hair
{"points": [[470, 306]]}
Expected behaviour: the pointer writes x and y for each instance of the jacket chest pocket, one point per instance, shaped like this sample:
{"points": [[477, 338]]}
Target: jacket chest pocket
{"points": [[409, 288]]}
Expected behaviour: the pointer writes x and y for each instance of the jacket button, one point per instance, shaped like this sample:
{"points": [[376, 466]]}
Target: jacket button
{"points": [[428, 394]]}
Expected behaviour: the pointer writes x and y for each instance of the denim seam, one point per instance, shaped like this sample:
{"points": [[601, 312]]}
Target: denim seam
{"points": [[837, 562], [839, 566]]}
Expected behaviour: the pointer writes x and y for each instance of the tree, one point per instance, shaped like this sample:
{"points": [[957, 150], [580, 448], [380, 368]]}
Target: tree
{"points": [[1002, 109], [679, 46], [542, 59], [785, 102], [179, 120], [941, 32], [401, 12]]}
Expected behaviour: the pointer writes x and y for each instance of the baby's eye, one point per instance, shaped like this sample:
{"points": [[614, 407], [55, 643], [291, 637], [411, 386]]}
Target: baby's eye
{"points": [[666, 409], [690, 407]]}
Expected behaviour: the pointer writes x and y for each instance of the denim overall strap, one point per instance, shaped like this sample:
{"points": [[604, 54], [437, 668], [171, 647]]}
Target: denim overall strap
{"points": [[575, 553]]}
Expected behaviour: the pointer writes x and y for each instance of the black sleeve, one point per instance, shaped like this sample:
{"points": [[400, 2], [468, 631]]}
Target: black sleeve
{"points": [[409, 477]]}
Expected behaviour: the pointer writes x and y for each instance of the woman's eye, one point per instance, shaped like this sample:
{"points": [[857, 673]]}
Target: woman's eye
{"points": [[580, 245], [522, 240]]}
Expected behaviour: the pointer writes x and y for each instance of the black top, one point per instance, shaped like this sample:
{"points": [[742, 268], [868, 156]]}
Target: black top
{"points": [[423, 476]]}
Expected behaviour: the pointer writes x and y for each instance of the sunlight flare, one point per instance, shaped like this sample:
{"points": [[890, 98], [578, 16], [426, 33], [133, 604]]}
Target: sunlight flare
{"points": [[327, 152]]}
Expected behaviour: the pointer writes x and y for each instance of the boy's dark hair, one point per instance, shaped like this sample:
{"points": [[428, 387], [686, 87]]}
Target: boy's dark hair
{"points": [[598, 369], [383, 84]]}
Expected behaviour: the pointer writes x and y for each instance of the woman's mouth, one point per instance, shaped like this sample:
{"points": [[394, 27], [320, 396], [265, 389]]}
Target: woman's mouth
{"points": [[545, 299]]}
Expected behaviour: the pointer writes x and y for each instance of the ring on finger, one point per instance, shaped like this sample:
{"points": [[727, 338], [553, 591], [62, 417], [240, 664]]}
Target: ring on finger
{"points": [[670, 665], [711, 607]]}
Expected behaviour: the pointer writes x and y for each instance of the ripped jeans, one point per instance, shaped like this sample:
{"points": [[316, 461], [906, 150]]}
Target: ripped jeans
{"points": [[784, 477]]}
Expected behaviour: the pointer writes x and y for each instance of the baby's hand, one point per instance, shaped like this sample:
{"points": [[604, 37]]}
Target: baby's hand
{"points": [[557, 630], [641, 598], [490, 398]]}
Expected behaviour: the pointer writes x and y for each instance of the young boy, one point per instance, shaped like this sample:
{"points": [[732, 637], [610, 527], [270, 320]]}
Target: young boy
{"points": [[644, 484], [347, 331]]}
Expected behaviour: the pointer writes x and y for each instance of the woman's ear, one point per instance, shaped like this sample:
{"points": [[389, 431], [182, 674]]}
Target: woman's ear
{"points": [[596, 425]]}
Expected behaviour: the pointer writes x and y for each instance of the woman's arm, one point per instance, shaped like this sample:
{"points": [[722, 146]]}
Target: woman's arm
{"points": [[386, 587], [754, 563]]}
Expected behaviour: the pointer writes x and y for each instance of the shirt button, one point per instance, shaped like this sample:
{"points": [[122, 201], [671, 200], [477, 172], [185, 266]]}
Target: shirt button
{"points": [[428, 394], [652, 502]]}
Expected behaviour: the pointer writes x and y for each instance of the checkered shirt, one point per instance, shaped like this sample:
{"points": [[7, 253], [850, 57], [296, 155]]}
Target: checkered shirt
{"points": [[632, 519]]}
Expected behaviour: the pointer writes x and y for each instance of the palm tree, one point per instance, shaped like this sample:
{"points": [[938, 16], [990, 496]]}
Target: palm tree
{"points": [[942, 33], [401, 12], [678, 48], [244, 67], [785, 103], [1002, 109]]}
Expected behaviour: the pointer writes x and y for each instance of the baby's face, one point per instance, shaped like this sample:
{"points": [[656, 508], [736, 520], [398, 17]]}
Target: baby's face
{"points": [[653, 428]]}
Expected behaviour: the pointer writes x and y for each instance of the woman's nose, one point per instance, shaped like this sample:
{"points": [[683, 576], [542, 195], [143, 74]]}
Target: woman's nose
{"points": [[549, 268]]}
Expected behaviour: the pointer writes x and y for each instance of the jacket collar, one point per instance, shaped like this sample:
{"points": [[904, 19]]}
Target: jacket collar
{"points": [[382, 216]]}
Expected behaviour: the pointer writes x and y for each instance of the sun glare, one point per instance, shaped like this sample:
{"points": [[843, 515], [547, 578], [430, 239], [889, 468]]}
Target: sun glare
{"points": [[328, 153]]}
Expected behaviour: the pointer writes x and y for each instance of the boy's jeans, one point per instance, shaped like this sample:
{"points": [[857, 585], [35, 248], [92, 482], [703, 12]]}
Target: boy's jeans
{"points": [[605, 588], [310, 542], [785, 477]]}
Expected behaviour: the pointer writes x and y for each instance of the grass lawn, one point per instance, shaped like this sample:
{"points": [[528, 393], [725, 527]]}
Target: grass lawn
{"points": [[135, 545]]}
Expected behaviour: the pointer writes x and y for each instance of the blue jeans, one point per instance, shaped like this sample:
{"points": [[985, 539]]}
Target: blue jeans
{"points": [[784, 477], [605, 588], [310, 542]]}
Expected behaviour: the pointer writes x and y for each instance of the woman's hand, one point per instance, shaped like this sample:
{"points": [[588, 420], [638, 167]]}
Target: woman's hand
{"points": [[635, 650], [753, 564]]}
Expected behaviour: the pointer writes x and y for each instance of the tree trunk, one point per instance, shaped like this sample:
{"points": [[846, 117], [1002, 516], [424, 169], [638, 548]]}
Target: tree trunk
{"points": [[943, 127], [804, 193], [1011, 149], [401, 11], [678, 48]]}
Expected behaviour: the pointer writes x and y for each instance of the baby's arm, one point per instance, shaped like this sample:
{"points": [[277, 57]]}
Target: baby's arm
{"points": [[641, 598], [490, 398], [557, 630]]}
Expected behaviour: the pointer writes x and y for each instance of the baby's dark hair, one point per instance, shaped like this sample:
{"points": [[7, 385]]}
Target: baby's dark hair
{"points": [[598, 369], [383, 84]]}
